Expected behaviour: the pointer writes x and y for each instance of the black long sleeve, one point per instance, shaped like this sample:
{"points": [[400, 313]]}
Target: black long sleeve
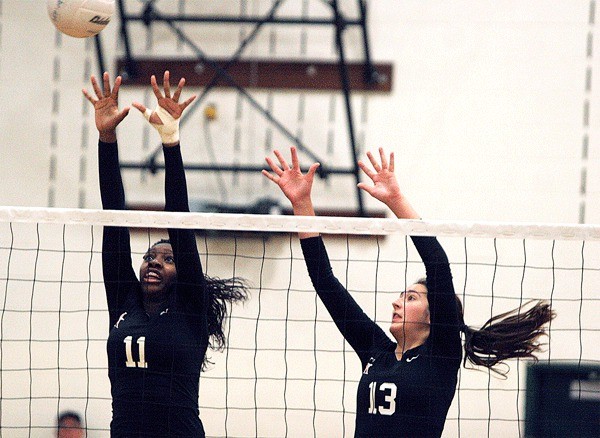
{"points": [[444, 333], [190, 277], [116, 248], [357, 328], [154, 359], [397, 397]]}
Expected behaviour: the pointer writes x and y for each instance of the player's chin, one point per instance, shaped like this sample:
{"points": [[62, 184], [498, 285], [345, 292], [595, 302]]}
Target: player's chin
{"points": [[402, 324], [396, 326], [152, 288]]}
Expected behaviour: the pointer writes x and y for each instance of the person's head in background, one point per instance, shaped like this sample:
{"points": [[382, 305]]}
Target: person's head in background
{"points": [[69, 425]]}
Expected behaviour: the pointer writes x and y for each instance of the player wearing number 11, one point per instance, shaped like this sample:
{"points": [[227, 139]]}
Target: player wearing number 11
{"points": [[406, 386], [162, 324]]}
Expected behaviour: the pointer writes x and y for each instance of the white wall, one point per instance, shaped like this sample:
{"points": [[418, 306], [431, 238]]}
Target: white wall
{"points": [[486, 118], [487, 106]]}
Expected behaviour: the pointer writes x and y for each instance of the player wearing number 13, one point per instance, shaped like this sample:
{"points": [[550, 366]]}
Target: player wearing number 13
{"points": [[406, 386], [162, 324]]}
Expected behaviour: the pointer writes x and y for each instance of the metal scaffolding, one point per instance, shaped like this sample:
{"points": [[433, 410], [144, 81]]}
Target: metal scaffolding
{"points": [[131, 68]]}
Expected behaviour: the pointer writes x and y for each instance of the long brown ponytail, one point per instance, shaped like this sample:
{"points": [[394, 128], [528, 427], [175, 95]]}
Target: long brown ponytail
{"points": [[506, 336], [509, 335]]}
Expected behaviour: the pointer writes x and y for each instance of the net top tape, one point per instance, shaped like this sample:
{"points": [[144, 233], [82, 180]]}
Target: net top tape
{"points": [[278, 223]]}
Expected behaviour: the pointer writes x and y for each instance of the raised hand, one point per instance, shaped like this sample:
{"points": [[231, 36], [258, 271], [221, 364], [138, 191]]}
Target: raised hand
{"points": [[294, 185], [106, 107], [385, 186], [165, 117], [170, 104]]}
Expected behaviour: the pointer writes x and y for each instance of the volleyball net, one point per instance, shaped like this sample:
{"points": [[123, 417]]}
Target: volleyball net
{"points": [[286, 370]]}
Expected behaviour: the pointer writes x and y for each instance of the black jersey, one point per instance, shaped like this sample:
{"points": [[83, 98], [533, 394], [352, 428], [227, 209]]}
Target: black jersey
{"points": [[154, 361], [410, 397]]}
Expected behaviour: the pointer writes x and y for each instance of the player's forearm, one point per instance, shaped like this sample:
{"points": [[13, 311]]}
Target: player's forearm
{"points": [[108, 136], [111, 183], [401, 208], [176, 196], [304, 207]]}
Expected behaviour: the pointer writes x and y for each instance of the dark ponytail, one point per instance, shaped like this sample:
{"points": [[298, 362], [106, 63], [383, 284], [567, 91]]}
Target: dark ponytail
{"points": [[221, 294], [510, 335]]}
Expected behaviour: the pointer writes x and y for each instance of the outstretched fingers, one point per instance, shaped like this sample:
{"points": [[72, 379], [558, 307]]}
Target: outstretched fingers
{"points": [[167, 84], [174, 110], [122, 114], [89, 97], [383, 158], [385, 165], [312, 170], [274, 167], [106, 92], [269, 175], [96, 87], [367, 188], [155, 88], [279, 170], [139, 106], [373, 161], [106, 84], [150, 115], [366, 169], [97, 91], [295, 162], [115, 89], [282, 162], [382, 165], [179, 90], [185, 104]]}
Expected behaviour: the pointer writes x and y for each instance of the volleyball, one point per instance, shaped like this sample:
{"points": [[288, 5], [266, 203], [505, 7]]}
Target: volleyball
{"points": [[80, 18]]}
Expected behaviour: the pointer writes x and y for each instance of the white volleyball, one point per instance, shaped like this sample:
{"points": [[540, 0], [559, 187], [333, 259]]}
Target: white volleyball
{"points": [[80, 18]]}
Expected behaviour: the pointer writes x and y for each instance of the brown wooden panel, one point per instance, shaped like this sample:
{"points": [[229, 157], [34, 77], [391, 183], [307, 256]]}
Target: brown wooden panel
{"points": [[281, 75]]}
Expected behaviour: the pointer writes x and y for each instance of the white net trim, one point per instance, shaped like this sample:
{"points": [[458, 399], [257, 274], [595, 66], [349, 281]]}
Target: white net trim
{"points": [[277, 223]]}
